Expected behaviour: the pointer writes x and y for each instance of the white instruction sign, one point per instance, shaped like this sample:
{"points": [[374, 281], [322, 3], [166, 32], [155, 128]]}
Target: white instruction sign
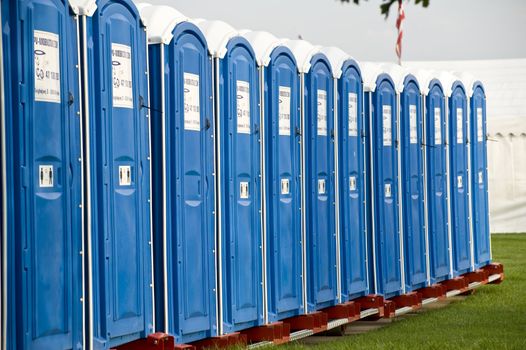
{"points": [[460, 125], [284, 111], [438, 126], [192, 110], [387, 126], [243, 107], [480, 126], [47, 66], [353, 114], [121, 62], [413, 133], [322, 113]]}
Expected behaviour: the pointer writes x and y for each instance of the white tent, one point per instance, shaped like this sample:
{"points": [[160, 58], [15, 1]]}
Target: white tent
{"points": [[505, 84]]}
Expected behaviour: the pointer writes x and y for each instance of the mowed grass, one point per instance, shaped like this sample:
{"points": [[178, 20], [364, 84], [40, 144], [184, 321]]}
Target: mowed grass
{"points": [[492, 318]]}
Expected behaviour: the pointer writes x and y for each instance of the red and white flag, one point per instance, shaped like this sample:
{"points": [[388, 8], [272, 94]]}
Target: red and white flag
{"points": [[399, 26]]}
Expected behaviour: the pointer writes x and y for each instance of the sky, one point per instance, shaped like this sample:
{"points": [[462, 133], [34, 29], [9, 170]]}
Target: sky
{"points": [[446, 30]]}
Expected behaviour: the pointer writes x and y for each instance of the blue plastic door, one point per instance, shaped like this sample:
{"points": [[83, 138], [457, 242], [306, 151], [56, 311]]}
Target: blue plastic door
{"points": [[120, 175], [459, 184], [352, 184], [189, 187], [436, 177], [319, 142], [385, 172], [413, 186], [47, 232], [241, 186], [479, 177], [283, 186]]}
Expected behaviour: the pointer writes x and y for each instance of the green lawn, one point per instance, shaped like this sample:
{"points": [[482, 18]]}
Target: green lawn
{"points": [[492, 318]]}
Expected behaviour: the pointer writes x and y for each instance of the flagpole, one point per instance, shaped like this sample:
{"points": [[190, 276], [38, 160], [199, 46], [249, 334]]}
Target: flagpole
{"points": [[399, 26]]}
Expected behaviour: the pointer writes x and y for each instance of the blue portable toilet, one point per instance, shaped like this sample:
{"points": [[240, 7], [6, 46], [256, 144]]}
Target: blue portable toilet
{"points": [[458, 170], [238, 137], [436, 155], [318, 128], [350, 167], [281, 185], [481, 240], [182, 175], [411, 178], [117, 157], [385, 236], [42, 177]]}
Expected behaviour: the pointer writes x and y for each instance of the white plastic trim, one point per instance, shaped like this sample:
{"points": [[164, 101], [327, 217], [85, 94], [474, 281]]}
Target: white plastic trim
{"points": [[160, 22], [83, 7], [424, 77], [217, 34], [468, 80], [263, 44], [141, 5], [370, 72], [397, 73], [337, 57], [303, 52], [447, 79]]}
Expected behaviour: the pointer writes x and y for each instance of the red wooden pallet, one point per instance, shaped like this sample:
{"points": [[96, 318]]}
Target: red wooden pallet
{"points": [[479, 275], [349, 310], [412, 300], [316, 321], [156, 341], [275, 332], [495, 269], [221, 342], [433, 291], [389, 309], [457, 283]]}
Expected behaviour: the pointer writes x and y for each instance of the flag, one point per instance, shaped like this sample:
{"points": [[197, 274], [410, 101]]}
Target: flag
{"points": [[399, 26]]}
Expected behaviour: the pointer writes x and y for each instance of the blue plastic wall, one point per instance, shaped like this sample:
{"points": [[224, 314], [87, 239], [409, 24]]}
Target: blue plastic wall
{"points": [[436, 183], [119, 173], [351, 144], [282, 120], [412, 172], [459, 181], [44, 172], [384, 158], [188, 309], [479, 177], [320, 186], [239, 128]]}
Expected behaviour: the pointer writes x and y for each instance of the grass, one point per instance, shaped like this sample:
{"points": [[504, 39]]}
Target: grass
{"points": [[493, 318]]}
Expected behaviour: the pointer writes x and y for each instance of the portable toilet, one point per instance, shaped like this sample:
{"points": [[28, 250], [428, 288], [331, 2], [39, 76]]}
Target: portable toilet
{"points": [[436, 155], [182, 175], [380, 90], [318, 162], [351, 222], [411, 178], [42, 177], [458, 170], [117, 158], [282, 183], [481, 240], [238, 140]]}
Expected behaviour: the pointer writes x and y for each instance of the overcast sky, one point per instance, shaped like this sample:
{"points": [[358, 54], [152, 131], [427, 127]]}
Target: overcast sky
{"points": [[446, 30]]}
